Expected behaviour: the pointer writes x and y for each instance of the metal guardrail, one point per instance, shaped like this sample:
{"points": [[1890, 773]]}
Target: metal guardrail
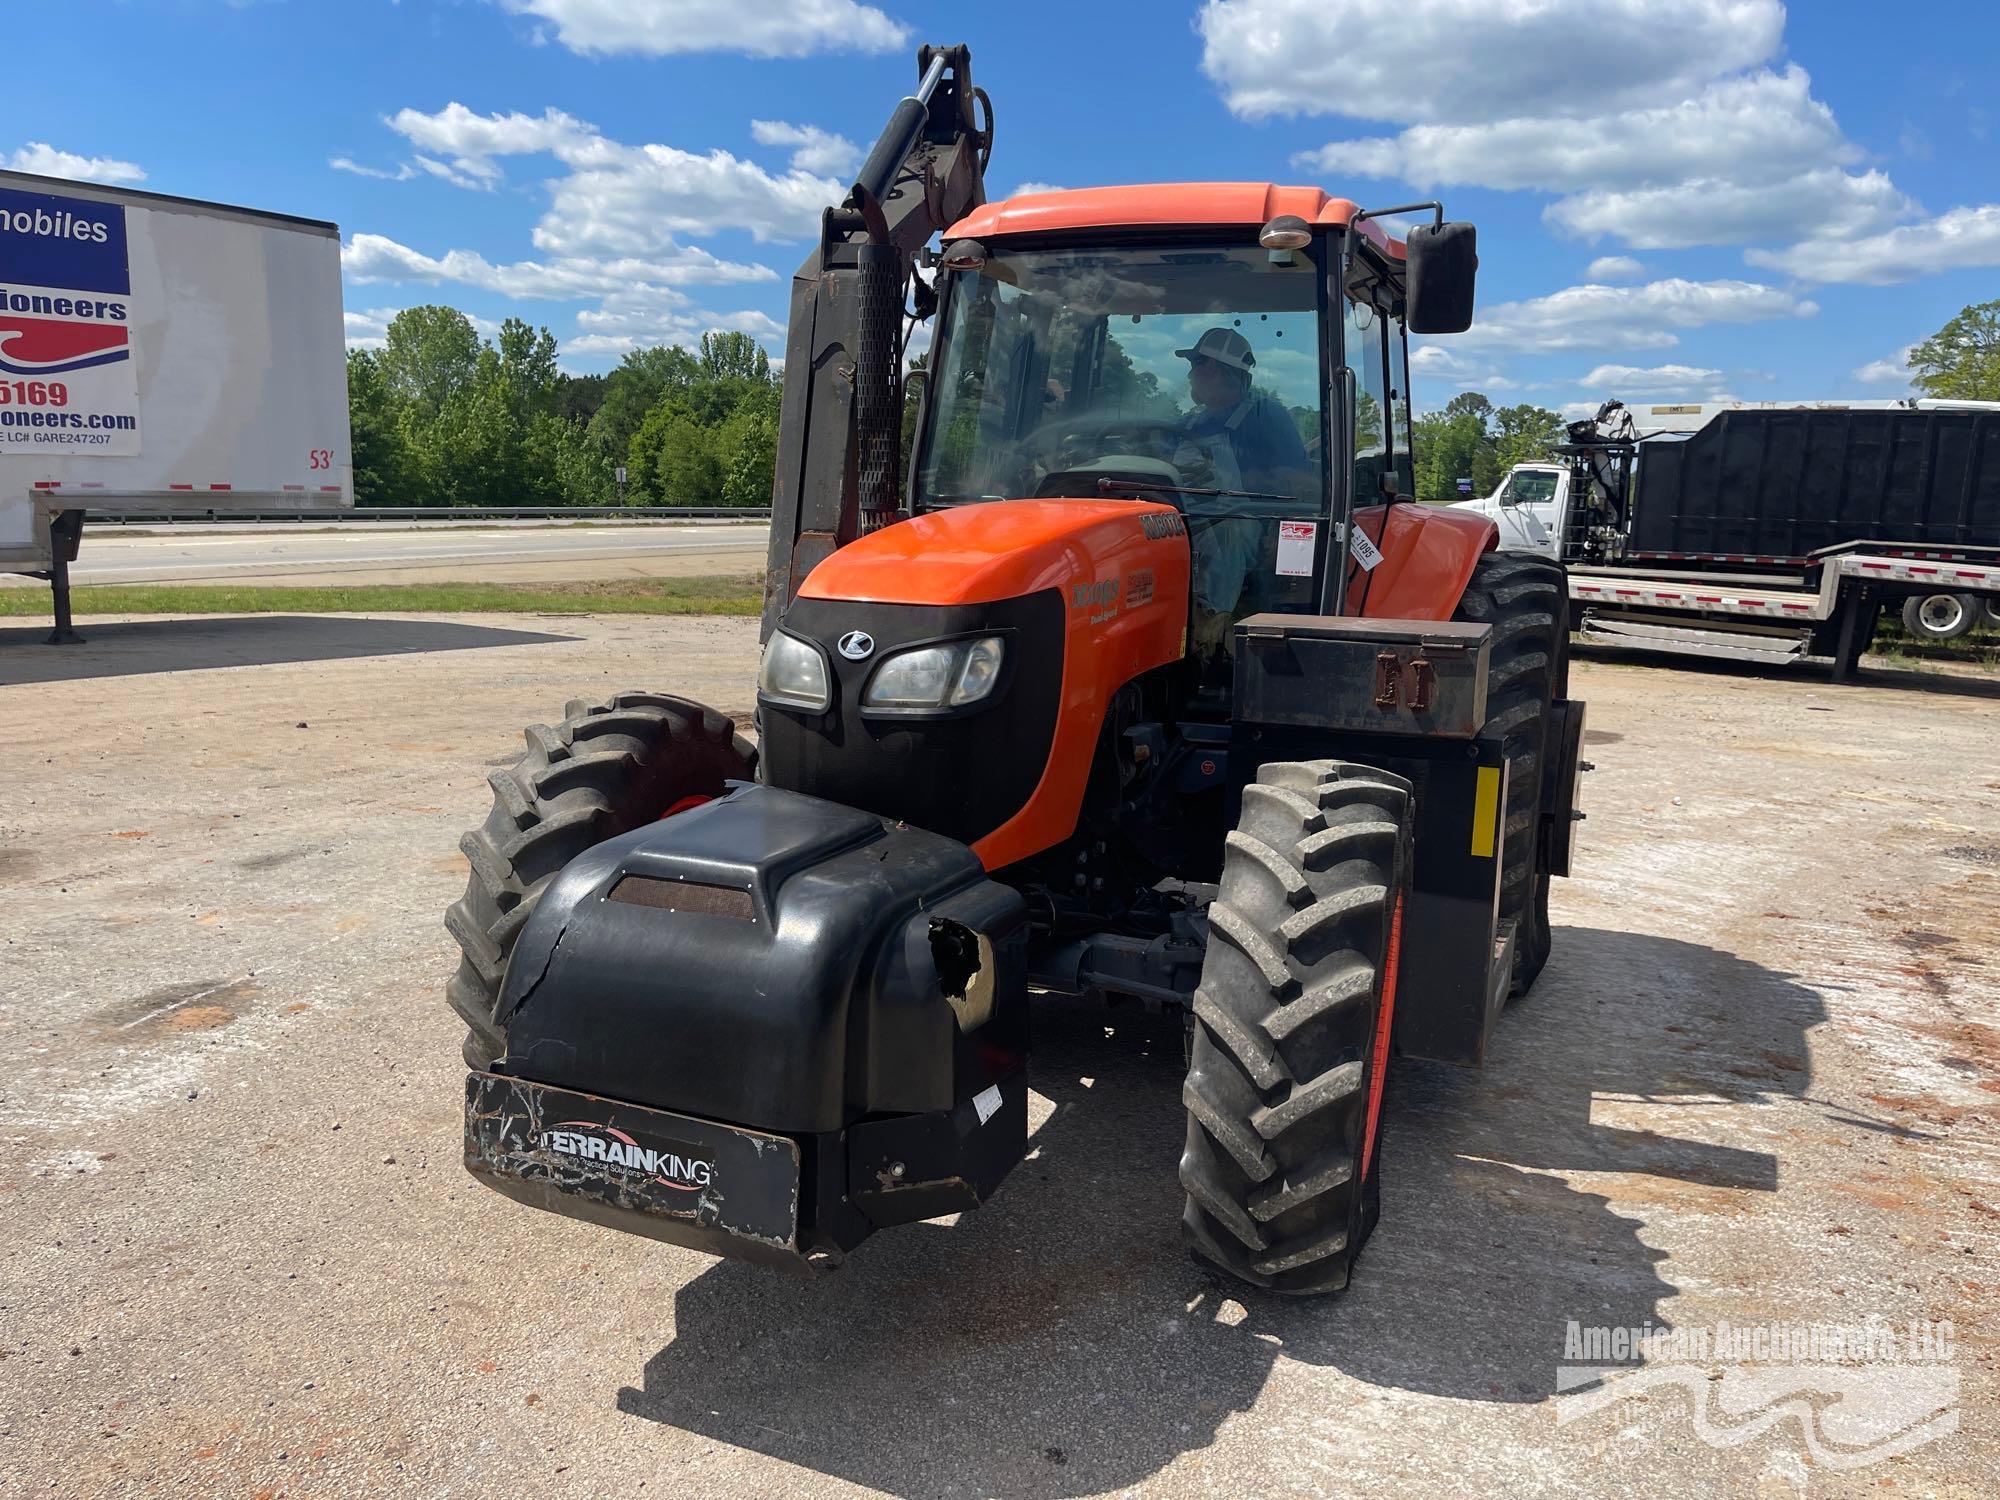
{"points": [[379, 513]]}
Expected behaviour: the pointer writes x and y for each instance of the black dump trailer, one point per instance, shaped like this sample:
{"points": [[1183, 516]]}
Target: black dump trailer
{"points": [[1790, 483], [1774, 532]]}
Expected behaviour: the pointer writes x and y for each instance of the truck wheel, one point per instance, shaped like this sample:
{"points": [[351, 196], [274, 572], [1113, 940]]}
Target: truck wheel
{"points": [[1940, 617], [605, 770], [1292, 1019], [1526, 601]]}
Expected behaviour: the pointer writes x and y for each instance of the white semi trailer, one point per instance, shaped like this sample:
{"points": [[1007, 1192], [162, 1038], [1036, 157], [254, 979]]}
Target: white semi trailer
{"points": [[1764, 530], [157, 355]]}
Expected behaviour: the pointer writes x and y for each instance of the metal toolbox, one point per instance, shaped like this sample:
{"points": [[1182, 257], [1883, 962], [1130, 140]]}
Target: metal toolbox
{"points": [[1365, 676]]}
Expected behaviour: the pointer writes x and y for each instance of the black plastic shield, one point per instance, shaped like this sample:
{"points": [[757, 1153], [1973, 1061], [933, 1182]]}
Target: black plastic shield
{"points": [[672, 1177]]}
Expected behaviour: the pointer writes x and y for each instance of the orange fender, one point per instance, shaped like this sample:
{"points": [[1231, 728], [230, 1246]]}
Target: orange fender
{"points": [[1428, 554]]}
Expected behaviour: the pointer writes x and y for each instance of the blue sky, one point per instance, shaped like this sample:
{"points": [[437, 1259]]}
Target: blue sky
{"points": [[1677, 199]]}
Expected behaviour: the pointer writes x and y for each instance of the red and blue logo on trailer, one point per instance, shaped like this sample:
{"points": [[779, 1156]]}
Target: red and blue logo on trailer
{"points": [[65, 282]]}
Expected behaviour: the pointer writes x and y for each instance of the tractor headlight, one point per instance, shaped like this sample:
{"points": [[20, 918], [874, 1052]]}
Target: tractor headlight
{"points": [[793, 674], [934, 678]]}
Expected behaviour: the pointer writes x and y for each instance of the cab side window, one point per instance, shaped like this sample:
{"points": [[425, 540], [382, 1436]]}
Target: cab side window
{"points": [[1365, 339], [1403, 464]]}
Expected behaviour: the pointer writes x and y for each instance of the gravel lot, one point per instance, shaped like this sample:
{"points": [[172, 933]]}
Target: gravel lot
{"points": [[1757, 1083]]}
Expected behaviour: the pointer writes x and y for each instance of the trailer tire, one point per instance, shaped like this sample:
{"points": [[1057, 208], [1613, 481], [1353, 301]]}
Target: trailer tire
{"points": [[1940, 617], [605, 770], [1526, 601], [1292, 1016]]}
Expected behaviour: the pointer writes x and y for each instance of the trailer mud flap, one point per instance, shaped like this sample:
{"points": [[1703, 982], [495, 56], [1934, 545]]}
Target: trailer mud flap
{"points": [[692, 1182]]}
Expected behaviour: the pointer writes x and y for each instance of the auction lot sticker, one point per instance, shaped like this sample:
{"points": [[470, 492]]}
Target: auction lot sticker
{"points": [[68, 385]]}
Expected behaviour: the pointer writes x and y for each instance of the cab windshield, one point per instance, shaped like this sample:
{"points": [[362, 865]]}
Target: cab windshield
{"points": [[1184, 369]]}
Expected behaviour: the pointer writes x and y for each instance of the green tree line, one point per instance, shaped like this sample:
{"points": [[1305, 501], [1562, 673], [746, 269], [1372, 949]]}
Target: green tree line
{"points": [[1472, 438], [440, 416], [1961, 361]]}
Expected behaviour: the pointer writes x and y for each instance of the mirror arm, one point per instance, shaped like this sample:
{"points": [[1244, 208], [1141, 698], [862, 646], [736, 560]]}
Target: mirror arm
{"points": [[1437, 212]]}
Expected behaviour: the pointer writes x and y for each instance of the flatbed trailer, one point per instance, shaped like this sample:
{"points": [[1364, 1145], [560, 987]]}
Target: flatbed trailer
{"points": [[1827, 610]]}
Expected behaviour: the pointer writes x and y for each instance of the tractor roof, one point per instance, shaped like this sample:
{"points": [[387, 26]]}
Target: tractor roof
{"points": [[1178, 205]]}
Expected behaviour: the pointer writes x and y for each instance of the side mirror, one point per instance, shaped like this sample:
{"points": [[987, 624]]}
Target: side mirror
{"points": [[1442, 264]]}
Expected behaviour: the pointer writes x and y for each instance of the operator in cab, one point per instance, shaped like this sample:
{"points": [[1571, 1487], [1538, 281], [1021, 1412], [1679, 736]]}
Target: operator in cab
{"points": [[1237, 439]]}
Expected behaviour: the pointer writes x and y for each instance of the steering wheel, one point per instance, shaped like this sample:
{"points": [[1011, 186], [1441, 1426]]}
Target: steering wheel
{"points": [[1087, 437]]}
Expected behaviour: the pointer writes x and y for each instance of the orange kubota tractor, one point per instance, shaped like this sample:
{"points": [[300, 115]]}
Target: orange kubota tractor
{"points": [[1136, 678]]}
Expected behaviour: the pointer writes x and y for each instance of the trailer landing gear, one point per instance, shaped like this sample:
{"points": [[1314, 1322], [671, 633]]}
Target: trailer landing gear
{"points": [[1857, 629]]}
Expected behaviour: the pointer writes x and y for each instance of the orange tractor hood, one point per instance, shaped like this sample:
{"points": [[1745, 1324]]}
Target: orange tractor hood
{"points": [[976, 554], [1121, 568]]}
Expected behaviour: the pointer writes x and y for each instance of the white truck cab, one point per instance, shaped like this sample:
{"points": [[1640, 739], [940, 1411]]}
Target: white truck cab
{"points": [[1530, 507]]}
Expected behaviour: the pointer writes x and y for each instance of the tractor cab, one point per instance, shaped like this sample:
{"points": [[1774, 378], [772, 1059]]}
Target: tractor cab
{"points": [[1237, 351]]}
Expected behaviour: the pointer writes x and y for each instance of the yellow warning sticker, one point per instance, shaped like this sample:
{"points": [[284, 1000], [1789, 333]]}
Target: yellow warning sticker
{"points": [[1485, 811]]}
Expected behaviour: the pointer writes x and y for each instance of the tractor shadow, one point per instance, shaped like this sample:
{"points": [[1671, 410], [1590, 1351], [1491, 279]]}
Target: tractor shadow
{"points": [[1059, 1342], [135, 648]]}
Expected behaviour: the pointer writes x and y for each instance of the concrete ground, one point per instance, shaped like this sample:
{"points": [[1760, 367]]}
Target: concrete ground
{"points": [[1757, 1082], [440, 552]]}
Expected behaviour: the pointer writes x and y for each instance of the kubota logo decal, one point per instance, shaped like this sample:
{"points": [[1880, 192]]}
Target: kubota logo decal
{"points": [[612, 1147]]}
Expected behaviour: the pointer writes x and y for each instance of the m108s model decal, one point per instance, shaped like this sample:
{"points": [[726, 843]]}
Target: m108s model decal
{"points": [[66, 319]]}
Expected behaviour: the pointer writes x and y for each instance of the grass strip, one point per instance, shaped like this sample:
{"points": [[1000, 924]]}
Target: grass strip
{"points": [[636, 596]]}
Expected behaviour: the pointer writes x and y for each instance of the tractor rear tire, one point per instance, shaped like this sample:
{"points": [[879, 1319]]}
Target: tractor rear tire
{"points": [[605, 770], [1289, 1052], [1526, 601]]}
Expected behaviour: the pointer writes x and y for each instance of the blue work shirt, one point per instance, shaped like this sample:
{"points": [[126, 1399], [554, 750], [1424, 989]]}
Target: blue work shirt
{"points": [[1268, 454], [1262, 436]]}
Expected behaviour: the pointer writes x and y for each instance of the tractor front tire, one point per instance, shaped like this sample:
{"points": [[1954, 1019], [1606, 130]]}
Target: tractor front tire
{"points": [[1526, 601], [1289, 1053], [605, 770]]}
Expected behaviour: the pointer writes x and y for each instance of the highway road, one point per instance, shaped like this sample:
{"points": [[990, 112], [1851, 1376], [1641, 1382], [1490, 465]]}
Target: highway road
{"points": [[494, 552]]}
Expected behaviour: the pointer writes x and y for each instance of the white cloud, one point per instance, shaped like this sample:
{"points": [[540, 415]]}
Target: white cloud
{"points": [[1768, 122], [1440, 365], [1028, 188], [1612, 318], [472, 141], [45, 161], [374, 257], [1718, 211], [1961, 239], [1613, 268], [1664, 125], [765, 28], [370, 329], [403, 172], [1895, 370], [685, 327], [1747, 159], [619, 199], [637, 301], [1475, 59], [641, 194], [815, 150], [1660, 380]]}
